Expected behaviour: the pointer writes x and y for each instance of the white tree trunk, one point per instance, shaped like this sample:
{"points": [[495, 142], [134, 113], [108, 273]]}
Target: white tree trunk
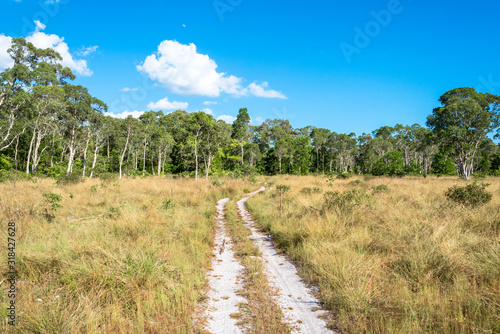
{"points": [[29, 152]]}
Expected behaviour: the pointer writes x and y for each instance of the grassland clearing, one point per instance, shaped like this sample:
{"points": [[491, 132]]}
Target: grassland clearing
{"points": [[397, 258], [135, 263]]}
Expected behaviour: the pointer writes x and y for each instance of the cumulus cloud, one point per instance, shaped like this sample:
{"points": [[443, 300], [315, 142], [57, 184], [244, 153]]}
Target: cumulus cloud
{"points": [[182, 70], [260, 91], [39, 26], [258, 120], [207, 103], [5, 60], [227, 118], [85, 51], [208, 111], [43, 41], [125, 114], [126, 89], [165, 104]]}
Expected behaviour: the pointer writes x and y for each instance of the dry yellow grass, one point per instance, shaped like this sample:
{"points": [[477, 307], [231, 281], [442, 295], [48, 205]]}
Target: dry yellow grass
{"points": [[130, 267], [403, 261]]}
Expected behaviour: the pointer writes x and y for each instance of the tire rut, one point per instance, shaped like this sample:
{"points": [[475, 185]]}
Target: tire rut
{"points": [[297, 302], [223, 281]]}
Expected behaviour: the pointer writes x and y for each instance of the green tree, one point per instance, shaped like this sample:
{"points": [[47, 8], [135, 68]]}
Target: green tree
{"points": [[462, 122], [240, 129]]}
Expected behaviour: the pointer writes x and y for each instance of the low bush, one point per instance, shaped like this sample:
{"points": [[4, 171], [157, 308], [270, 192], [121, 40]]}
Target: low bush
{"points": [[71, 178], [472, 195], [306, 191], [357, 183], [382, 188], [108, 177], [53, 200], [344, 201], [283, 187], [344, 176]]}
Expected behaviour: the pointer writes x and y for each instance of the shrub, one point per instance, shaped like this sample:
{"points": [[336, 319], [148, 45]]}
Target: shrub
{"points": [[53, 200], [382, 188], [344, 176], [306, 191], [108, 177], [344, 201], [357, 183], [71, 178], [167, 204], [216, 182], [472, 195], [252, 178], [283, 187], [316, 190], [479, 175]]}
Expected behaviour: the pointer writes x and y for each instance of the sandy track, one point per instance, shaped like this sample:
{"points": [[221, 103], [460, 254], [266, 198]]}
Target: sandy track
{"points": [[295, 299], [222, 298]]}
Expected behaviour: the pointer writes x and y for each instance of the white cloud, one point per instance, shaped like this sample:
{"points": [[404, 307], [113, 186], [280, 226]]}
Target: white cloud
{"points": [[227, 118], [39, 26], [208, 111], [207, 103], [182, 70], [184, 25], [258, 120], [260, 91], [44, 41], [165, 104], [85, 51], [5, 60], [125, 114], [126, 89]]}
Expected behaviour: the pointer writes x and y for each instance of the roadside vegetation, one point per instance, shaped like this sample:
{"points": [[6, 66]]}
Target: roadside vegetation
{"points": [[110, 256], [393, 255]]}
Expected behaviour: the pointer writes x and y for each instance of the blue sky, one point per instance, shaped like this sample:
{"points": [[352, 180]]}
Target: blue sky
{"points": [[350, 66]]}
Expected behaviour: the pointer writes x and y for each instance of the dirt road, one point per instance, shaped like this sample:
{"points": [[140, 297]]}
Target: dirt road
{"points": [[222, 298], [300, 308]]}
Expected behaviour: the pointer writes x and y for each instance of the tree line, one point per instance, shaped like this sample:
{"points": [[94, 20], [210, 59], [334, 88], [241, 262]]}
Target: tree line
{"points": [[48, 126]]}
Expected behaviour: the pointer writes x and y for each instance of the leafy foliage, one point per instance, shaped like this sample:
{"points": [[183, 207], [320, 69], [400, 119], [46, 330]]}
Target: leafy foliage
{"points": [[282, 187], [472, 195], [344, 201], [53, 199], [71, 178], [381, 188], [344, 176]]}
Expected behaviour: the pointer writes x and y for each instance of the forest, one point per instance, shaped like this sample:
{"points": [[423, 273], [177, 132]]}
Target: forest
{"points": [[50, 127]]}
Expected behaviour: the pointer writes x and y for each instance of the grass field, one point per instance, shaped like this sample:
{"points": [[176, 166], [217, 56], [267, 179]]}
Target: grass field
{"points": [[131, 266], [402, 260], [118, 257]]}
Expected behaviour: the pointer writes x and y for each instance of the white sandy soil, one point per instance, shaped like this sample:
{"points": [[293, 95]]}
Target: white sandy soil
{"points": [[222, 298], [294, 298]]}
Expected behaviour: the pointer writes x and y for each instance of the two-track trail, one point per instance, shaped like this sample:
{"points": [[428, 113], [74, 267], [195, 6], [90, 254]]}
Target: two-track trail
{"points": [[298, 304], [222, 298]]}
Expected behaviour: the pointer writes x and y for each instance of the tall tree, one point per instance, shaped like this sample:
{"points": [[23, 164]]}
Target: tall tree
{"points": [[462, 122], [78, 109], [240, 129]]}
